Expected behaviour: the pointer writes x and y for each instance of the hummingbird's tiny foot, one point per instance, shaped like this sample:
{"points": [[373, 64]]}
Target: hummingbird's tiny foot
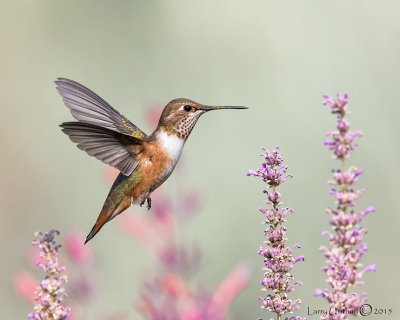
{"points": [[148, 202]]}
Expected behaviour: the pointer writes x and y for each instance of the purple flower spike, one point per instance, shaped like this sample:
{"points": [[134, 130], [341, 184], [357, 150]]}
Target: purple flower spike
{"points": [[341, 141], [346, 246], [278, 258], [50, 293]]}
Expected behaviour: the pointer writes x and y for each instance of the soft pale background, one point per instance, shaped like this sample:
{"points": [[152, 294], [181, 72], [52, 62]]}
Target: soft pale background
{"points": [[277, 57]]}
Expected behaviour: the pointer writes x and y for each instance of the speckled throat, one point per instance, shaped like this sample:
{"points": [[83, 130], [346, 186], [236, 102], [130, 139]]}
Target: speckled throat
{"points": [[183, 127]]}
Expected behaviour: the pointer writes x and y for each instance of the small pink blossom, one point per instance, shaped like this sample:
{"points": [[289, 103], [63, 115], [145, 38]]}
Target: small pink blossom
{"points": [[337, 105], [275, 174]]}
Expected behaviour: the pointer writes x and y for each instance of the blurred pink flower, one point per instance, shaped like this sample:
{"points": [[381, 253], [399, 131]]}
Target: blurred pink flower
{"points": [[76, 250], [174, 285], [81, 288], [191, 202], [192, 315], [24, 285], [162, 220], [153, 114], [137, 226], [216, 308], [236, 280], [153, 232], [170, 297]]}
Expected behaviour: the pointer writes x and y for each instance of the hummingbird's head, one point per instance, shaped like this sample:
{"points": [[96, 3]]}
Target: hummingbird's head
{"points": [[180, 115]]}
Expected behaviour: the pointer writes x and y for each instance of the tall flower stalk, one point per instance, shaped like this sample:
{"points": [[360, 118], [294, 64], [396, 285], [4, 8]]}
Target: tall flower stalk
{"points": [[50, 293], [343, 268], [278, 258]]}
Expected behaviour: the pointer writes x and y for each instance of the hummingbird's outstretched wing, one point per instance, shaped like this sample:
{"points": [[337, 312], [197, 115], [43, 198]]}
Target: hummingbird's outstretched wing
{"points": [[111, 147], [101, 130], [88, 107]]}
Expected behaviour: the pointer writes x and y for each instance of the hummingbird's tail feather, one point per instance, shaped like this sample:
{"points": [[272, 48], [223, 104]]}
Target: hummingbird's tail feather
{"points": [[106, 215]]}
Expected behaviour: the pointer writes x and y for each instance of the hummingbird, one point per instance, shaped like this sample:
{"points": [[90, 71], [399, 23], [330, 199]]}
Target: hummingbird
{"points": [[144, 161]]}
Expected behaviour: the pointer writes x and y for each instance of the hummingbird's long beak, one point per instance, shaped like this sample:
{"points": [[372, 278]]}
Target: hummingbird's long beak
{"points": [[210, 108]]}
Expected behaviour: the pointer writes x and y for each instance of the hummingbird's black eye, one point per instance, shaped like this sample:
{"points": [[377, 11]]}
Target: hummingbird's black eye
{"points": [[187, 108]]}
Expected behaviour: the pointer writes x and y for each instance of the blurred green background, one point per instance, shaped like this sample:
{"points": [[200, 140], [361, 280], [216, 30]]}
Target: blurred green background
{"points": [[277, 57]]}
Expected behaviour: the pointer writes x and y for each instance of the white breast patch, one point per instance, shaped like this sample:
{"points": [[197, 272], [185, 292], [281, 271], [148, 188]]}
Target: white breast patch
{"points": [[172, 145]]}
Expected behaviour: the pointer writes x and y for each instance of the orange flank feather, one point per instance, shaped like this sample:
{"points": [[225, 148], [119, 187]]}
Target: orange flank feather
{"points": [[155, 167]]}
